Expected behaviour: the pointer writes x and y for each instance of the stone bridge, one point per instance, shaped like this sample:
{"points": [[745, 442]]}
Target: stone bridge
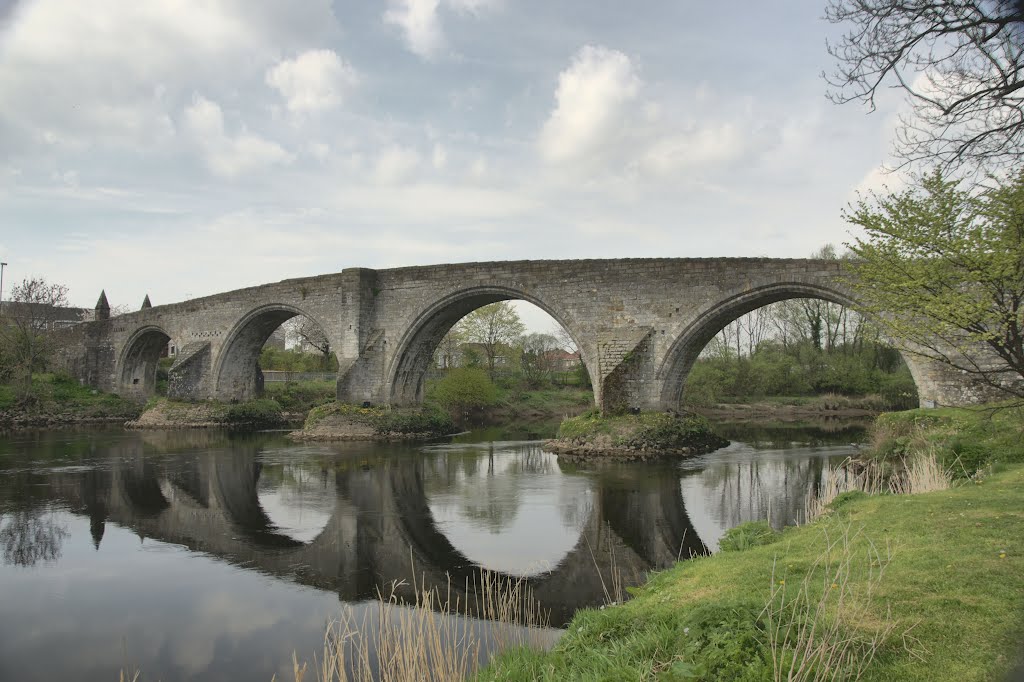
{"points": [[639, 325], [380, 531]]}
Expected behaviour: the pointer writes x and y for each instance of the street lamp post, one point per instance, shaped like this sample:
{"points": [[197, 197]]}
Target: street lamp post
{"points": [[2, 266]]}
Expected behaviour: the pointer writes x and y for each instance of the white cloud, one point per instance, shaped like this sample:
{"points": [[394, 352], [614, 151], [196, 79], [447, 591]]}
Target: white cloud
{"points": [[314, 81], [419, 22], [705, 146], [439, 157], [591, 98], [226, 155], [395, 164]]}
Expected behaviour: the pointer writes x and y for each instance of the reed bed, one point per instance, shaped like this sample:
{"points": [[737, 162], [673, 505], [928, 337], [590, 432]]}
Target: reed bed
{"points": [[440, 637], [922, 473]]}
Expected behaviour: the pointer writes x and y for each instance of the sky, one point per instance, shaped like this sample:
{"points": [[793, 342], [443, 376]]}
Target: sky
{"points": [[180, 148]]}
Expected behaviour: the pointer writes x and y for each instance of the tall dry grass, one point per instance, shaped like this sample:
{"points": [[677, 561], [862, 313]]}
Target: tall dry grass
{"points": [[922, 473], [439, 637], [825, 627]]}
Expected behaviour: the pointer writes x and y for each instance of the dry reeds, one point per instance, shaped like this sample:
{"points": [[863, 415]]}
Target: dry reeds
{"points": [[824, 627], [920, 474], [438, 637]]}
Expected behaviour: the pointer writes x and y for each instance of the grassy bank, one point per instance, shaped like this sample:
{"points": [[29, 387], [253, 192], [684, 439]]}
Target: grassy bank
{"points": [[952, 593], [58, 398], [893, 587]]}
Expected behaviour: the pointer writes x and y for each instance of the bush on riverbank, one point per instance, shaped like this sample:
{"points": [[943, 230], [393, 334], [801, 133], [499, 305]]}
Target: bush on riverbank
{"points": [[927, 586], [263, 412], [964, 440]]}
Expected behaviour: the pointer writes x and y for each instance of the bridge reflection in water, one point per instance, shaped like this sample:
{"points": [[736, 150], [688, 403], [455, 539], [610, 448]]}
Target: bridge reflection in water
{"points": [[357, 518]]}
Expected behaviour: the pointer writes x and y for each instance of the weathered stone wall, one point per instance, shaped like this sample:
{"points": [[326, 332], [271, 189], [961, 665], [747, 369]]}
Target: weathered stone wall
{"points": [[639, 324]]}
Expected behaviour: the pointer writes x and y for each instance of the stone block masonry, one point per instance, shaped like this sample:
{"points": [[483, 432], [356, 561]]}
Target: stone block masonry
{"points": [[639, 325]]}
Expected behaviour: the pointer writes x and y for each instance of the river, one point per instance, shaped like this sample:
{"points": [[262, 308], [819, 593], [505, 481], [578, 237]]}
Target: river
{"points": [[205, 555]]}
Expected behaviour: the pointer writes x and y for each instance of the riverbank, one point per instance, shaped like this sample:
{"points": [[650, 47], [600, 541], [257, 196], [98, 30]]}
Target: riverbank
{"points": [[920, 587], [954, 589], [163, 413], [794, 408], [61, 401], [633, 437]]}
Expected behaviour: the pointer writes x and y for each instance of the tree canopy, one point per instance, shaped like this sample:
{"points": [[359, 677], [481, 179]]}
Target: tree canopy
{"points": [[942, 270], [960, 64]]}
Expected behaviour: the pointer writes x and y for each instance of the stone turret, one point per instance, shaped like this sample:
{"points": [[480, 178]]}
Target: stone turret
{"points": [[102, 307], [145, 303]]}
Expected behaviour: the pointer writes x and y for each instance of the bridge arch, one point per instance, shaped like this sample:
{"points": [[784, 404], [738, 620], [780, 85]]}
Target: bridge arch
{"points": [[415, 348], [236, 373], [712, 318], [137, 364]]}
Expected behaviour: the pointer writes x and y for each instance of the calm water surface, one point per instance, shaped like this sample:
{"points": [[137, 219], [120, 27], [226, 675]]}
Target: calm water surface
{"points": [[210, 556]]}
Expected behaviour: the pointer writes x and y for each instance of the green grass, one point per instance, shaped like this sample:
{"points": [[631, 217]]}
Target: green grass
{"points": [[57, 394], [947, 583]]}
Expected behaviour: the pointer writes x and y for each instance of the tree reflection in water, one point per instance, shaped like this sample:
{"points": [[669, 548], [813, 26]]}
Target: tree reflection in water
{"points": [[30, 536]]}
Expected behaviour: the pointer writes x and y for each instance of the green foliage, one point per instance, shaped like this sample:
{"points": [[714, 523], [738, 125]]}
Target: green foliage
{"points": [[262, 412], [942, 269], [426, 422], [296, 361], [799, 369], [665, 431], [965, 440], [300, 396], [464, 389], [62, 395], [747, 535], [645, 431]]}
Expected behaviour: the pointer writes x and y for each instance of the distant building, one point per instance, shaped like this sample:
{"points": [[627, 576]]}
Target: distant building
{"points": [[47, 317], [559, 360]]}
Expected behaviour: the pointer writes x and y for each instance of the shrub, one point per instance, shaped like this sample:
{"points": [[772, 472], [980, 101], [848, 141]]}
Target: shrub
{"points": [[464, 389], [433, 422], [262, 412]]}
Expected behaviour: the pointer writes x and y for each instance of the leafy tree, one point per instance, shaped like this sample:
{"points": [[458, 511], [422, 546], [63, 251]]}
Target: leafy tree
{"points": [[960, 64], [34, 308], [492, 327], [464, 389], [942, 269]]}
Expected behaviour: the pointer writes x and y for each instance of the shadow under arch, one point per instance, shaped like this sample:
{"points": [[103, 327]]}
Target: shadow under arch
{"points": [[416, 347], [684, 351], [237, 375], [136, 366]]}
